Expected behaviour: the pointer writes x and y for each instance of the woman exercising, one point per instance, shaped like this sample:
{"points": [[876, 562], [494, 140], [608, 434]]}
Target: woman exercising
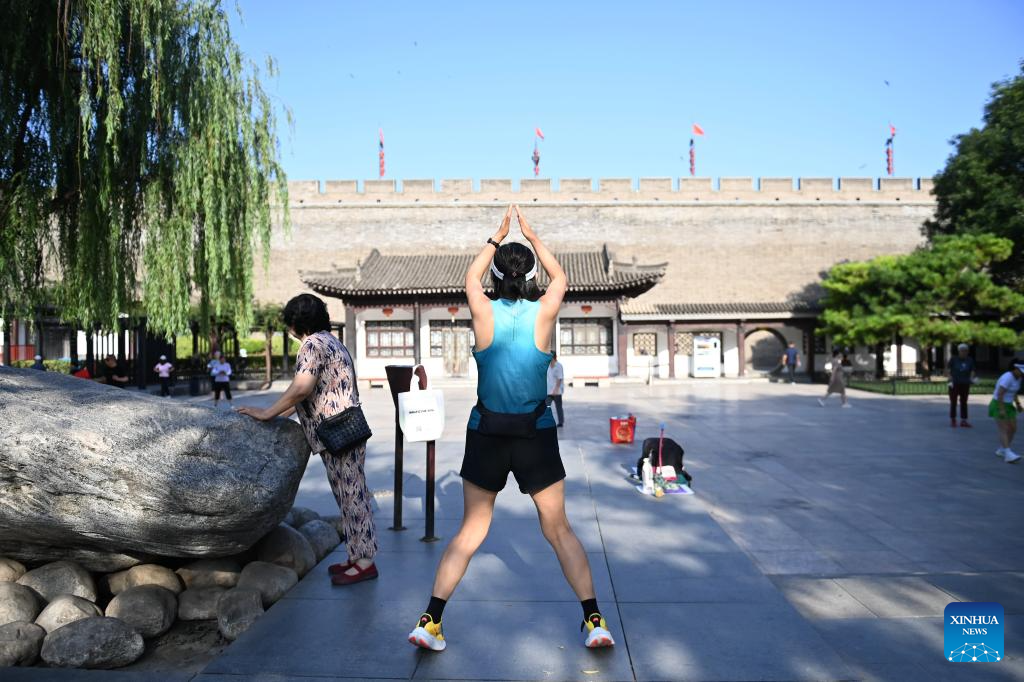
{"points": [[511, 429]]}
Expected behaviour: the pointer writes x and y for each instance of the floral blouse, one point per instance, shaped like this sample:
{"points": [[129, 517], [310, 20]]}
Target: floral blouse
{"points": [[324, 356]]}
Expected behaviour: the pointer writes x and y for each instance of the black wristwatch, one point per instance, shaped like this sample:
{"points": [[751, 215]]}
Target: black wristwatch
{"points": [[494, 243]]}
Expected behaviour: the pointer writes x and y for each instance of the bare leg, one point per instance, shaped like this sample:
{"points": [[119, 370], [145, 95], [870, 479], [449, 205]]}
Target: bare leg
{"points": [[1011, 431], [476, 520], [555, 525], [1004, 432]]}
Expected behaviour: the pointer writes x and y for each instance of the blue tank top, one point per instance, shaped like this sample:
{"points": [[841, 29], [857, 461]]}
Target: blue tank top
{"points": [[512, 372]]}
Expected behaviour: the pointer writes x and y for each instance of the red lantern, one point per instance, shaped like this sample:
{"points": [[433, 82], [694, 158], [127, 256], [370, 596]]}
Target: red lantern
{"points": [[388, 312], [452, 310], [586, 309]]}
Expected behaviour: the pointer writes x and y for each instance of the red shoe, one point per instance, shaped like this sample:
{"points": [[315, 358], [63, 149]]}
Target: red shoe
{"points": [[335, 569], [368, 573], [952, 423], [965, 424]]}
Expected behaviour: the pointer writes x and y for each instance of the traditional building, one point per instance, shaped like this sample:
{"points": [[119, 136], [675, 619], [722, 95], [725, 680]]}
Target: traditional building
{"points": [[413, 309]]}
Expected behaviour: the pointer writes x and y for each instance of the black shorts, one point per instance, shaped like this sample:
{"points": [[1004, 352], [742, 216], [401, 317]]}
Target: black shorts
{"points": [[535, 462]]}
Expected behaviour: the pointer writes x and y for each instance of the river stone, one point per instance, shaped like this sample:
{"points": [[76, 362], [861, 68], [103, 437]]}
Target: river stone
{"points": [[199, 603], [289, 519], [65, 609], [115, 477], [101, 643], [302, 515], [18, 603], [144, 574], [270, 580], [237, 609], [20, 643], [149, 609], [286, 546], [322, 536], [210, 573], [10, 570], [60, 577], [339, 525]]}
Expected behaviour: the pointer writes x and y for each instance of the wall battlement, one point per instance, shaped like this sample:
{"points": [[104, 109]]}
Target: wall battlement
{"points": [[612, 190]]}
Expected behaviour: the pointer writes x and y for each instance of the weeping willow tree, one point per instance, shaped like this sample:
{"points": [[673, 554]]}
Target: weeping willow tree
{"points": [[138, 162]]}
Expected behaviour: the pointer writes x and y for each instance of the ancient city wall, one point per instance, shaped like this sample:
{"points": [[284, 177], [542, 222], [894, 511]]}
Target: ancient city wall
{"points": [[737, 240]]}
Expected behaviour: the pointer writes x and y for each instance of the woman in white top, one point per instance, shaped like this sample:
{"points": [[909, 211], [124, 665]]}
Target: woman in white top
{"points": [[1004, 408]]}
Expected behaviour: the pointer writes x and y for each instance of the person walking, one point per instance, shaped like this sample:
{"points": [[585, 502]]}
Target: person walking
{"points": [[1004, 408], [511, 429], [836, 380], [790, 361], [962, 373], [163, 370], [325, 385], [556, 386], [220, 372]]}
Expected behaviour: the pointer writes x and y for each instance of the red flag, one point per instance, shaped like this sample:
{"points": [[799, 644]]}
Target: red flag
{"points": [[539, 133], [892, 130], [693, 159], [697, 130], [380, 132]]}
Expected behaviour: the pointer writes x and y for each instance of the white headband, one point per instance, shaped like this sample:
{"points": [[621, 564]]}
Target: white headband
{"points": [[530, 275]]}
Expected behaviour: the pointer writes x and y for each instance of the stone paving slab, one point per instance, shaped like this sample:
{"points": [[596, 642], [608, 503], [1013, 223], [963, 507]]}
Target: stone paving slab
{"points": [[897, 597], [817, 598], [507, 576], [680, 642]]}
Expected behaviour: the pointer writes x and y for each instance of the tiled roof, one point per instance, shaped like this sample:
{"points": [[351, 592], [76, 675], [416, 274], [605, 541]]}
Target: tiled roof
{"points": [[382, 275], [678, 310]]}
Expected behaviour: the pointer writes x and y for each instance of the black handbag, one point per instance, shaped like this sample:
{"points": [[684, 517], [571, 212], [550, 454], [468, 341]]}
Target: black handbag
{"points": [[510, 425], [344, 431]]}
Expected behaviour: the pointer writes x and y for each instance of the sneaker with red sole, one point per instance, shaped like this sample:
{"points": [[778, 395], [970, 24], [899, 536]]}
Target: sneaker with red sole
{"points": [[368, 573], [598, 635]]}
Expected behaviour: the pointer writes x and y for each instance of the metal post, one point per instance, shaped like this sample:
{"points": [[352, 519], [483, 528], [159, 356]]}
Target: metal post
{"points": [[429, 530], [399, 378]]}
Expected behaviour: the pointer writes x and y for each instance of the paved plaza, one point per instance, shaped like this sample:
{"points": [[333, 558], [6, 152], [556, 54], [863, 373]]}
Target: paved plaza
{"points": [[821, 544]]}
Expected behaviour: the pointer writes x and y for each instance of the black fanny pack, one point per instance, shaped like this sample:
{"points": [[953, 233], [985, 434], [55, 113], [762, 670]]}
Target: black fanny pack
{"points": [[511, 425]]}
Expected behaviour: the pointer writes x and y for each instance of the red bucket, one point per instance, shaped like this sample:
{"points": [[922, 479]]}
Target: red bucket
{"points": [[622, 429]]}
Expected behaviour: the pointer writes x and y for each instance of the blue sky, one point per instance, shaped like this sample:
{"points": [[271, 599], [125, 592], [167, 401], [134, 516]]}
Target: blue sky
{"points": [[780, 88]]}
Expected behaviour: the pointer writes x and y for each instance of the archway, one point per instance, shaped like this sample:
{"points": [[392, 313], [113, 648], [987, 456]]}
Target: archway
{"points": [[762, 349]]}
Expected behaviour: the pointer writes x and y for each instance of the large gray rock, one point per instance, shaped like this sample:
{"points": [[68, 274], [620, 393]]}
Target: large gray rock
{"points": [[237, 609], [65, 609], [101, 643], [210, 573], [144, 574], [270, 580], [113, 478], [149, 609], [322, 536], [18, 603], [10, 570], [286, 546], [20, 643], [60, 577], [199, 603]]}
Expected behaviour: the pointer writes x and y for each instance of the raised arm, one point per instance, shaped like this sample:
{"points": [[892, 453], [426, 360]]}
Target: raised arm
{"points": [[479, 304], [551, 301]]}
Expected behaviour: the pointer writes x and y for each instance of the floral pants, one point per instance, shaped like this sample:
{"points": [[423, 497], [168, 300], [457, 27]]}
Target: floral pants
{"points": [[348, 483]]}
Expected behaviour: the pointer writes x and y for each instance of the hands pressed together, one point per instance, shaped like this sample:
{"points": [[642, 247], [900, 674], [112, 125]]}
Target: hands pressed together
{"points": [[506, 221]]}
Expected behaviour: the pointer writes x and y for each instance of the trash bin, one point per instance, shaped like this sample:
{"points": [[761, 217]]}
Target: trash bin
{"points": [[622, 428]]}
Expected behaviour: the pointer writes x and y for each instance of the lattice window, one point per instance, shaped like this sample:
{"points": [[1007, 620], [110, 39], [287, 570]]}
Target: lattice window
{"points": [[438, 330], [390, 339], [645, 343], [684, 343], [585, 335]]}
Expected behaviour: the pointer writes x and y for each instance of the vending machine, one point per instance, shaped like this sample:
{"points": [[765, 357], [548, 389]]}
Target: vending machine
{"points": [[707, 357]]}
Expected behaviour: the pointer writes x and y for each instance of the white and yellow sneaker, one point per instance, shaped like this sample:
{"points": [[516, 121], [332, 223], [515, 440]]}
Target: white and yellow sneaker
{"points": [[597, 632], [427, 634]]}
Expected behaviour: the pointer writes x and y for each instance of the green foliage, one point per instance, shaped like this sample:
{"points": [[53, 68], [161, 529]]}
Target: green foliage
{"points": [[937, 294], [254, 345], [981, 189], [61, 366], [138, 161]]}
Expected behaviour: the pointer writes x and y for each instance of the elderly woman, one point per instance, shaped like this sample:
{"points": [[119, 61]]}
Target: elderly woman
{"points": [[324, 385]]}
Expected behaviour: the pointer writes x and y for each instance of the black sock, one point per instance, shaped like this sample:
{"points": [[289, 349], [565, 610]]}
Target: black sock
{"points": [[589, 608], [435, 608]]}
